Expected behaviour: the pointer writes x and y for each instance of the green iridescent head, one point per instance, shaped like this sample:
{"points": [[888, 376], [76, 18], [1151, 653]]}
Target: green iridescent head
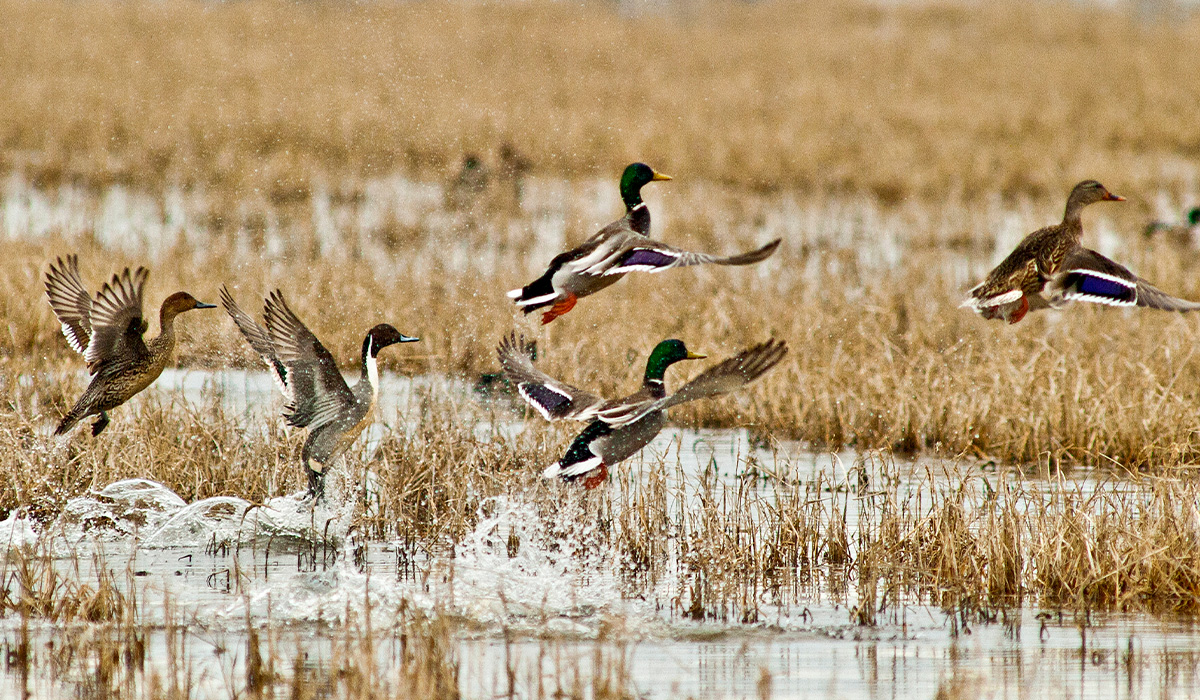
{"points": [[1194, 217], [667, 353], [636, 175]]}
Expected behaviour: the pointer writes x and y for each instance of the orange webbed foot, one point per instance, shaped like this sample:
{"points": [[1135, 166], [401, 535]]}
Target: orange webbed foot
{"points": [[597, 477], [559, 308], [1019, 313]]}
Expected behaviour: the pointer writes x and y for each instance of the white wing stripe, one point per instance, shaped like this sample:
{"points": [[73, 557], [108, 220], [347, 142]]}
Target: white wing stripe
{"points": [[537, 300], [1107, 301], [556, 470], [522, 389], [73, 340]]}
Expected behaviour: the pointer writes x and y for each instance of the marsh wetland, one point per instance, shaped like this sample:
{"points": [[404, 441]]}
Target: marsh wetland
{"points": [[914, 503]]}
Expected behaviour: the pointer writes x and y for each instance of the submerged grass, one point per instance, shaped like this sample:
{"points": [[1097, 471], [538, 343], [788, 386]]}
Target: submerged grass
{"points": [[975, 541]]}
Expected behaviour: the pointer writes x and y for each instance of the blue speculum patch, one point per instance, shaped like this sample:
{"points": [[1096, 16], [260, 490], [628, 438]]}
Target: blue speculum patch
{"points": [[546, 398], [1102, 287], [645, 256]]}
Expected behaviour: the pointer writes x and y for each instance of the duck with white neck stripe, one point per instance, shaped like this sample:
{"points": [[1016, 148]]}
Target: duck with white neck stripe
{"points": [[317, 394]]}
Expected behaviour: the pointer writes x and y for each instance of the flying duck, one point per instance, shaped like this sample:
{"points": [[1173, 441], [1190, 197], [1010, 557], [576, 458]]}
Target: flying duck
{"points": [[621, 247], [619, 429], [1049, 268], [317, 395], [108, 331], [1183, 235]]}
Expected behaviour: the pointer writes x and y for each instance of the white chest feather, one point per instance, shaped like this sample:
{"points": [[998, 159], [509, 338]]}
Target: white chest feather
{"points": [[373, 373]]}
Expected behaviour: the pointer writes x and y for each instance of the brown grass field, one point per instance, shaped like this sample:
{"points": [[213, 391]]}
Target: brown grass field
{"points": [[850, 129], [931, 100]]}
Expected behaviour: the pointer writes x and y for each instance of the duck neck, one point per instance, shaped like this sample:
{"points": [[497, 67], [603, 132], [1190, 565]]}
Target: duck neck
{"points": [[631, 192], [1074, 211], [166, 324], [370, 365], [656, 368], [639, 219]]}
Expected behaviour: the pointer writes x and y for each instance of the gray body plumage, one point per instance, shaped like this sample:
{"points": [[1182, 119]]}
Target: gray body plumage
{"points": [[618, 429], [318, 397]]}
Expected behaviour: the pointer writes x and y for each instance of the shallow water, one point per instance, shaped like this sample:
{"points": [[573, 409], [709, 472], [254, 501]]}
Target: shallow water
{"points": [[555, 609], [563, 614]]}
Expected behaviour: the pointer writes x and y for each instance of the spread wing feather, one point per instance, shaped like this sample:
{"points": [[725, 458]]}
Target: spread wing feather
{"points": [[71, 301], [730, 375], [117, 321], [652, 256], [318, 393], [259, 339], [1091, 277], [554, 399]]}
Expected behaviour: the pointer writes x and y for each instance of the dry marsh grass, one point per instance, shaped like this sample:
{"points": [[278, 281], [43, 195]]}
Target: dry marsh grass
{"points": [[923, 100], [953, 120], [883, 357]]}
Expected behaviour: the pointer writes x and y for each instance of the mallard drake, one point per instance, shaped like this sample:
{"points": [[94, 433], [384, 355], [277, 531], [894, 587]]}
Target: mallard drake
{"points": [[318, 397], [619, 429], [109, 332], [1049, 268], [621, 247], [1180, 235]]}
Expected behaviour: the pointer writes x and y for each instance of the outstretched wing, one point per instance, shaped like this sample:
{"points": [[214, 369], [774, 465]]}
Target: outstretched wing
{"points": [[730, 375], [553, 399], [1089, 276], [259, 339], [71, 301], [318, 393], [652, 256], [117, 321]]}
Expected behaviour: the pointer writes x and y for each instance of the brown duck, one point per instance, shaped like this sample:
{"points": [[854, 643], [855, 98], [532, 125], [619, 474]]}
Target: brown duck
{"points": [[108, 332], [1049, 268], [318, 397]]}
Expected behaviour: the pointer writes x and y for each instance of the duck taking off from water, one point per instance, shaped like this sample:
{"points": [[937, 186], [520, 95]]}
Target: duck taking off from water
{"points": [[318, 397], [1049, 268], [108, 331], [619, 429], [621, 247]]}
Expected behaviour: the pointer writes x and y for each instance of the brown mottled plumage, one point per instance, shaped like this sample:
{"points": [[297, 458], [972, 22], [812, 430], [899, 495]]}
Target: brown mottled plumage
{"points": [[108, 332], [1050, 268]]}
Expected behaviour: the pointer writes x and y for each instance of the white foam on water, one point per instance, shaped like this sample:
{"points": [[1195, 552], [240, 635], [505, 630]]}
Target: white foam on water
{"points": [[117, 513], [17, 532]]}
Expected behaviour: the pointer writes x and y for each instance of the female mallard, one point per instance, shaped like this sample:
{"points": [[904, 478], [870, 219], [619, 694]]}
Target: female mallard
{"points": [[317, 395], [622, 246], [619, 429], [1051, 260], [109, 331]]}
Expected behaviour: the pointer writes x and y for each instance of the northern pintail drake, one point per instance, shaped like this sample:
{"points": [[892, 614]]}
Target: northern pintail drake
{"points": [[108, 331], [621, 247], [318, 397], [619, 429], [1049, 269]]}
